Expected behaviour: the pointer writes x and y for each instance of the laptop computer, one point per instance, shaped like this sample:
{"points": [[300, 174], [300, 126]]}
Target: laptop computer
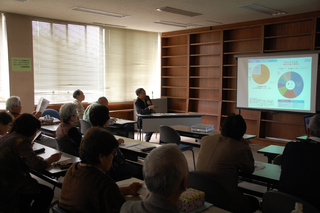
{"points": [[307, 120]]}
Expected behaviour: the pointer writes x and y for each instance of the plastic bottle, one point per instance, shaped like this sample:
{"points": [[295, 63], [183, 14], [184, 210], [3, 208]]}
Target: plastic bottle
{"points": [[298, 208]]}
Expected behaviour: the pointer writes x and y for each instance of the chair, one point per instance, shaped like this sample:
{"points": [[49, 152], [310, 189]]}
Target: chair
{"points": [[277, 160], [67, 147], [84, 125], [57, 209], [52, 112], [214, 192], [169, 135], [279, 202]]}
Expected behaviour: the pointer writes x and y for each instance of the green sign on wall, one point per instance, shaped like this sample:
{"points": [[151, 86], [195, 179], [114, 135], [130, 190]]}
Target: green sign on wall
{"points": [[21, 64]]}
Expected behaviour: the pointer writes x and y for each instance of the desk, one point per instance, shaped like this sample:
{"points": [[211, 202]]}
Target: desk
{"points": [[271, 152], [270, 175], [127, 182], [186, 132], [123, 128], [152, 122], [49, 129], [52, 172], [300, 138], [132, 154]]}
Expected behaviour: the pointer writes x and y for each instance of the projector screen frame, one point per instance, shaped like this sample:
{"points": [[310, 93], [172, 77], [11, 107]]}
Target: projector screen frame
{"points": [[317, 83]]}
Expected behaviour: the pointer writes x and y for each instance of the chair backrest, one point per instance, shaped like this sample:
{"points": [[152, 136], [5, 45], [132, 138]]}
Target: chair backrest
{"points": [[277, 160], [84, 125], [279, 202], [48, 141], [57, 209], [52, 112], [214, 191], [169, 135], [67, 147]]}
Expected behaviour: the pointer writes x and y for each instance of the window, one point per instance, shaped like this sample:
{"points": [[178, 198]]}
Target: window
{"points": [[4, 70], [107, 62], [67, 57]]}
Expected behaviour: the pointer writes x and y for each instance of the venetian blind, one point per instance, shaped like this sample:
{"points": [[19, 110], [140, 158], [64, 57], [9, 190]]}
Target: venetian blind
{"points": [[67, 57], [132, 61], [4, 71]]}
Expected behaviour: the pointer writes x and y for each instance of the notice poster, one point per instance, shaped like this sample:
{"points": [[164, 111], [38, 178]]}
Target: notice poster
{"points": [[21, 64]]}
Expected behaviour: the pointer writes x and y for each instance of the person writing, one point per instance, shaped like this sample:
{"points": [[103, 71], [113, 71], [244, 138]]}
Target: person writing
{"points": [[19, 192]]}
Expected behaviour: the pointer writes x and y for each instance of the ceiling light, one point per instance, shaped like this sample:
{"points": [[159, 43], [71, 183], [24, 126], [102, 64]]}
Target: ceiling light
{"points": [[177, 24], [108, 25], [98, 12], [263, 9], [178, 11]]}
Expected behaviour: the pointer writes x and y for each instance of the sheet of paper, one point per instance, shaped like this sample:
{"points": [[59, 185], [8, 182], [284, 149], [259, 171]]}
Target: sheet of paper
{"points": [[128, 144]]}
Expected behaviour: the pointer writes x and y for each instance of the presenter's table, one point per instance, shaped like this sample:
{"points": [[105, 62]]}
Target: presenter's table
{"points": [[53, 171], [152, 122], [186, 132], [271, 152]]}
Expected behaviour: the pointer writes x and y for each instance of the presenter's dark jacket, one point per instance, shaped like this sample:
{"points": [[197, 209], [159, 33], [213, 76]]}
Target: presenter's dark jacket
{"points": [[141, 108], [300, 171]]}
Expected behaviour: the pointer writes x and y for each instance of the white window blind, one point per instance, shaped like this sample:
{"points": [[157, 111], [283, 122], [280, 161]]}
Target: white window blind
{"points": [[4, 70], [132, 61], [107, 62], [67, 57]]}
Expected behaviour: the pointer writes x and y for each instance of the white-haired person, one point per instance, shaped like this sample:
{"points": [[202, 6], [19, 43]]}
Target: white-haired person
{"points": [[166, 175], [66, 131], [14, 106]]}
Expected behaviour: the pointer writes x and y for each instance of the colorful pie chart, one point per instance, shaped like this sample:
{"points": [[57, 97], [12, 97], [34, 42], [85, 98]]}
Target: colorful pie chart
{"points": [[290, 84], [260, 74]]}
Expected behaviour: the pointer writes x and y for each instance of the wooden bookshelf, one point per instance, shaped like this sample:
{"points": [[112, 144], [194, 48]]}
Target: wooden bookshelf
{"points": [[199, 71]]}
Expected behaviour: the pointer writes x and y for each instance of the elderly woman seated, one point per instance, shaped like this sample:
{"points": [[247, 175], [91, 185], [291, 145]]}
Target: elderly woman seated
{"points": [[17, 188], [66, 131], [5, 122], [86, 186], [99, 117]]}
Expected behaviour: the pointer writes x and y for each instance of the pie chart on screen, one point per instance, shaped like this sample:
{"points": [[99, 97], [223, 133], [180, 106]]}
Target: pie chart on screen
{"points": [[290, 85], [260, 74]]}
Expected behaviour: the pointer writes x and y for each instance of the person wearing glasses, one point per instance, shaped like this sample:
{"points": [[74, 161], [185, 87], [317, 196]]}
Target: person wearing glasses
{"points": [[66, 131]]}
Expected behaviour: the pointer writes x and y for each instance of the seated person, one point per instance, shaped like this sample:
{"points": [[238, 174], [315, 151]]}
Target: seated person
{"points": [[99, 117], [101, 101], [13, 105], [17, 188], [5, 122], [66, 131], [300, 173], [223, 155], [86, 186], [166, 175], [79, 97], [143, 106]]}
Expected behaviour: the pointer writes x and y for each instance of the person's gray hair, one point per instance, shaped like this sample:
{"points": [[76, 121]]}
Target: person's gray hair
{"points": [[67, 110], [314, 126], [164, 170], [13, 100]]}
